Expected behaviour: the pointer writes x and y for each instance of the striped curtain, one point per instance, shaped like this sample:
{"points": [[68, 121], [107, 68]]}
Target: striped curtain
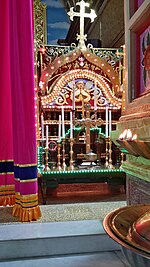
{"points": [[18, 163]]}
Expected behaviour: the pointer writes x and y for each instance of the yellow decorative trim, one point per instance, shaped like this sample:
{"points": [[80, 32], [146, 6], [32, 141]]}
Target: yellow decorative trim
{"points": [[29, 180], [25, 181], [97, 62], [26, 198], [7, 187], [78, 73], [29, 205], [29, 197], [25, 165], [6, 160]]}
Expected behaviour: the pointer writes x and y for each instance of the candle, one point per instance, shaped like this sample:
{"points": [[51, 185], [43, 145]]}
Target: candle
{"points": [[63, 123], [106, 129], [95, 97], [59, 129], [109, 122], [71, 126], [73, 96], [42, 126], [46, 136]]}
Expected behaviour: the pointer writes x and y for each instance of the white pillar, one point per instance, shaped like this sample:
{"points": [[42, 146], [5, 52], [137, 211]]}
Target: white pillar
{"points": [[109, 122], [42, 127], [71, 125], [46, 136], [95, 96], [63, 123], [73, 97], [106, 128], [59, 128]]}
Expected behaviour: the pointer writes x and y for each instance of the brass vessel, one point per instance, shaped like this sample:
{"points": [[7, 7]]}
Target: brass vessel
{"points": [[135, 147], [130, 227], [91, 156], [139, 233]]}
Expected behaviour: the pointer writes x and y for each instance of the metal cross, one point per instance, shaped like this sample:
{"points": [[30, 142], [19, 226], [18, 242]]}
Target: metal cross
{"points": [[88, 122], [82, 14]]}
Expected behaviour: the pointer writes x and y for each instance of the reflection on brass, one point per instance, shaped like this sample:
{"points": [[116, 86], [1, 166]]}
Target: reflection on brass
{"points": [[63, 155], [125, 145], [139, 232], [71, 167], [46, 169], [110, 166], [136, 147], [58, 157], [122, 159], [141, 147], [130, 227], [91, 156]]}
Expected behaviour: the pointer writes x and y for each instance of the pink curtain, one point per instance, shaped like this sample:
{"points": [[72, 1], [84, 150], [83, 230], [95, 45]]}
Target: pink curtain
{"points": [[18, 49], [7, 190]]}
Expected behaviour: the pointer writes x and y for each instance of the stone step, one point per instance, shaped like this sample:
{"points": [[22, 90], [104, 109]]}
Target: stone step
{"points": [[30, 240], [100, 259]]}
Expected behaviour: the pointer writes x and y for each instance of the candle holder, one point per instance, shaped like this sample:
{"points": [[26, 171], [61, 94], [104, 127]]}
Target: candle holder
{"points": [[95, 114], [63, 155], [58, 157], [110, 166], [122, 159], [83, 108], [42, 144], [71, 167], [73, 115], [46, 160], [106, 163]]}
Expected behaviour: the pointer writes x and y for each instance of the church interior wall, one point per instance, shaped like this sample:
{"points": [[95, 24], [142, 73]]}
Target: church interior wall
{"points": [[113, 28], [95, 32], [109, 31]]}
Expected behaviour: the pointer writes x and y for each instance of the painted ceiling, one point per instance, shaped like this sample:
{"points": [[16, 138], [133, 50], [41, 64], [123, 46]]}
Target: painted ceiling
{"points": [[58, 22]]}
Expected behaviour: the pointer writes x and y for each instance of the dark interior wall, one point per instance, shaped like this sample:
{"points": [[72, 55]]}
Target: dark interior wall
{"points": [[109, 26]]}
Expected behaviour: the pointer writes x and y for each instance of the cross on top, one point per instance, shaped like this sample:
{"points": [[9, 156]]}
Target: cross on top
{"points": [[82, 14]]}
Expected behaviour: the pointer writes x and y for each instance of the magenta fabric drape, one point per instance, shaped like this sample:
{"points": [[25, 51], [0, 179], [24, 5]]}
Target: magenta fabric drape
{"points": [[20, 84], [7, 191]]}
